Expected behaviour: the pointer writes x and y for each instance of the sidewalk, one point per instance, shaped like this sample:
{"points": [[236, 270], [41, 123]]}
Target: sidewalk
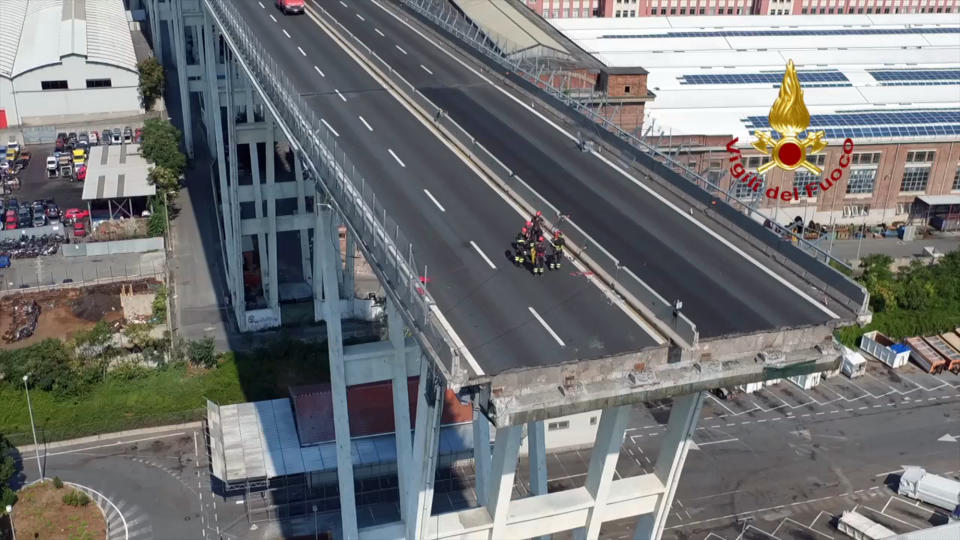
{"points": [[846, 250], [111, 436]]}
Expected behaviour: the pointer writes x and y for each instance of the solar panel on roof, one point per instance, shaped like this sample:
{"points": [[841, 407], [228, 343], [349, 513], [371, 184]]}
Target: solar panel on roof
{"points": [[915, 74], [761, 78], [756, 33], [945, 116]]}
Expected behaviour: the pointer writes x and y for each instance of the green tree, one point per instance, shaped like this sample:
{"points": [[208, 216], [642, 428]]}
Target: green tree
{"points": [[203, 353], [157, 224], [161, 145], [8, 467], [151, 81], [164, 179]]}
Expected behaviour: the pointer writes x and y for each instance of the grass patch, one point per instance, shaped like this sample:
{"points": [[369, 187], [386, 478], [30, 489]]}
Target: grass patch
{"points": [[171, 395], [42, 513]]}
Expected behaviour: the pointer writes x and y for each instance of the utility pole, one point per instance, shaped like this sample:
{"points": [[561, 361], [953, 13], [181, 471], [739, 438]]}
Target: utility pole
{"points": [[36, 446]]}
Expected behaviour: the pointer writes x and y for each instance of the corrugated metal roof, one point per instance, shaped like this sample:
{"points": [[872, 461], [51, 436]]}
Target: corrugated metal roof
{"points": [[116, 172], [36, 33]]}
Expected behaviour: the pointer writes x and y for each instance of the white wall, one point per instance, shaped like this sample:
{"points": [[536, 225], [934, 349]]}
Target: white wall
{"points": [[77, 102], [7, 101], [579, 433]]}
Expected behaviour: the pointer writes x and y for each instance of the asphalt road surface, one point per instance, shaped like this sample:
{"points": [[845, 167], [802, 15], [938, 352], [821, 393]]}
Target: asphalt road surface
{"points": [[506, 317], [667, 251]]}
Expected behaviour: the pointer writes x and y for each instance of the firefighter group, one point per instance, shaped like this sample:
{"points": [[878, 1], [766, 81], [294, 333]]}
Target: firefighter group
{"points": [[530, 247]]}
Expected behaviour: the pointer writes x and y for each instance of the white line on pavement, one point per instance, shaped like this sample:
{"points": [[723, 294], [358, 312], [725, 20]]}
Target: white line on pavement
{"points": [[272, 18], [126, 530], [341, 95], [286, 33], [361, 17], [456, 340], [430, 195], [395, 157], [482, 254], [365, 123], [262, 6], [377, 30], [301, 50], [342, 4], [425, 69], [717, 442], [319, 71], [544, 324], [118, 443], [400, 49], [330, 127]]}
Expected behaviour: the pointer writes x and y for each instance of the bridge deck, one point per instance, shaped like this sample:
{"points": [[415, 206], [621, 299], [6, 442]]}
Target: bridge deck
{"points": [[491, 309], [722, 291]]}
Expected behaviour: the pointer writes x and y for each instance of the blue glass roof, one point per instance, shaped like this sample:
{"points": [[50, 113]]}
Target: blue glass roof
{"points": [[790, 32], [919, 83], [915, 74], [761, 78], [885, 124]]}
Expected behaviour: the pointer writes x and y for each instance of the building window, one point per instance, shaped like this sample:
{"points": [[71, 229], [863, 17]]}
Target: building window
{"points": [[915, 179], [626, 89], [866, 158], [99, 83], [593, 420], [861, 181], [856, 210], [702, 11], [53, 85], [903, 208], [802, 177], [683, 11], [673, 11], [633, 13], [956, 180], [921, 156], [556, 426]]}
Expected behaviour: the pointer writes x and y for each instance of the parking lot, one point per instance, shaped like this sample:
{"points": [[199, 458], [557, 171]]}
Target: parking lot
{"points": [[34, 184]]}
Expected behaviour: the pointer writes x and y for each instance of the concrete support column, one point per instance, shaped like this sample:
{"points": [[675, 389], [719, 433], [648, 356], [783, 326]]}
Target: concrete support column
{"points": [[258, 213], [603, 462], [503, 469], [180, 52], [349, 290], [338, 386], [401, 405], [673, 452], [271, 199], [425, 439], [537, 453], [231, 79], [481, 454], [302, 209]]}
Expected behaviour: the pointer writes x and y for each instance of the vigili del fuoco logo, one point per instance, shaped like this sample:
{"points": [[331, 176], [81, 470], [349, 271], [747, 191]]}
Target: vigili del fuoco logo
{"points": [[789, 117]]}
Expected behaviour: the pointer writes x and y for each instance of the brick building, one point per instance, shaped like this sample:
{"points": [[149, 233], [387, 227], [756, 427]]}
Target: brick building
{"points": [[565, 9], [890, 84]]}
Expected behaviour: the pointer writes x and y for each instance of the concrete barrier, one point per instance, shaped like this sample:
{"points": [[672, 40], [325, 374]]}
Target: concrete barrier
{"points": [[114, 247]]}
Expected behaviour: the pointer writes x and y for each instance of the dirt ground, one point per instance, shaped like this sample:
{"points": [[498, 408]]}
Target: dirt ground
{"points": [[41, 513], [65, 312]]}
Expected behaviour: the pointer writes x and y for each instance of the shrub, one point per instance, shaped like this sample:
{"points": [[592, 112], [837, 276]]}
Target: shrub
{"points": [[202, 353], [151, 81], [160, 304], [57, 482], [161, 146], [76, 498], [157, 223]]}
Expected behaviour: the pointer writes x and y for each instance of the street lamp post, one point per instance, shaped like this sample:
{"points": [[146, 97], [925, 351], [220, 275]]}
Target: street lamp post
{"points": [[10, 517], [33, 428]]}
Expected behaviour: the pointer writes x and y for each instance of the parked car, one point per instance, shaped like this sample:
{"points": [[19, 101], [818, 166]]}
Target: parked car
{"points": [[4, 165], [13, 204], [24, 218], [94, 138], [2, 209], [107, 136], [83, 141], [138, 135], [75, 214], [37, 207], [4, 261], [127, 135], [52, 162], [53, 213], [116, 136], [71, 140], [39, 220], [23, 161], [82, 173], [61, 143]]}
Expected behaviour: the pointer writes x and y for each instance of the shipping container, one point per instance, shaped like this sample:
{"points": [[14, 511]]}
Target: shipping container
{"points": [[854, 364], [925, 356], [917, 483], [950, 344], [750, 388], [858, 527], [807, 381], [884, 349]]}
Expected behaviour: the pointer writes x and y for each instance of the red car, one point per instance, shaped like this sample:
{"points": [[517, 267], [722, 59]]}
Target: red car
{"points": [[79, 229], [75, 214], [82, 173], [290, 6], [10, 220]]}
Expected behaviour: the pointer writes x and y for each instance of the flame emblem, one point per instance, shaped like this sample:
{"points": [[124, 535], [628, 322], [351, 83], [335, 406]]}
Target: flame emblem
{"points": [[789, 116]]}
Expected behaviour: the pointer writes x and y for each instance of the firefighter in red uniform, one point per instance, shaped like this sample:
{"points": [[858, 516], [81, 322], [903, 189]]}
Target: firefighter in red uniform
{"points": [[520, 246], [540, 254], [558, 244]]}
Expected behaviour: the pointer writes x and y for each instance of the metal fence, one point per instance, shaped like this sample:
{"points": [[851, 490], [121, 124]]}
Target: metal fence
{"points": [[81, 276], [389, 251], [540, 72], [619, 277]]}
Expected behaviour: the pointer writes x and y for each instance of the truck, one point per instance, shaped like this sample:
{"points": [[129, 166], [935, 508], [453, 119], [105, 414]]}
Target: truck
{"points": [[884, 349], [65, 164], [859, 527], [917, 483]]}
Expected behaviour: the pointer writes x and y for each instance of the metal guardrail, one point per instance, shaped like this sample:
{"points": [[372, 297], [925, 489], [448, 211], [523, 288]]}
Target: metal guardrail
{"points": [[385, 246], [619, 277], [500, 50]]}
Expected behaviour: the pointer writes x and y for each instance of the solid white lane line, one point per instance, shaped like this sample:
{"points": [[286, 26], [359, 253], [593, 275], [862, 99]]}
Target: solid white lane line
{"points": [[365, 123], [342, 4], [301, 50], [456, 339], [341, 95], [262, 6], [377, 30], [396, 158], [482, 254], [399, 48], [360, 17], [272, 18], [319, 71], [286, 33], [432, 198], [330, 128], [547, 327], [425, 69]]}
